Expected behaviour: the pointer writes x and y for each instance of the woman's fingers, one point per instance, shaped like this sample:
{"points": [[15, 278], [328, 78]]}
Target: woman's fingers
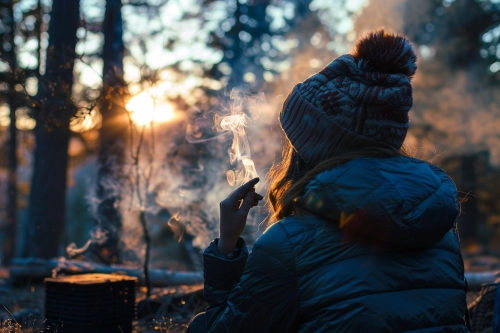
{"points": [[241, 192], [234, 212], [248, 201], [251, 200], [256, 198], [238, 197]]}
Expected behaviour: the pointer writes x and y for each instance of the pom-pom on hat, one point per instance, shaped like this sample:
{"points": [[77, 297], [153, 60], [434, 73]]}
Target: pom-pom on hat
{"points": [[359, 100]]}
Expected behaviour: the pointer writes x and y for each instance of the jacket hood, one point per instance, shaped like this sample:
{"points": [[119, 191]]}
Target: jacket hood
{"points": [[398, 201]]}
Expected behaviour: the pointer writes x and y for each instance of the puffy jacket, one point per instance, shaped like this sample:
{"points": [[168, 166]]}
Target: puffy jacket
{"points": [[372, 250]]}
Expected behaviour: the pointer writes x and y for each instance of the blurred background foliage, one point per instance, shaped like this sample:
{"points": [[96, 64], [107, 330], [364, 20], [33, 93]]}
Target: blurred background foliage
{"points": [[180, 61]]}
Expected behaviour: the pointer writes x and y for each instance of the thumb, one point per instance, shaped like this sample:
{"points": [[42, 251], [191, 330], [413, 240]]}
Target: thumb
{"points": [[247, 201]]}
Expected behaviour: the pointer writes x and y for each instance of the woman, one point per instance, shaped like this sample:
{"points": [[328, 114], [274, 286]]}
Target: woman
{"points": [[364, 241]]}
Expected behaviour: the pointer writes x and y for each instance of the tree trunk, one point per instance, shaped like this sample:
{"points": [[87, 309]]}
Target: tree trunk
{"points": [[113, 134], [46, 215], [9, 241]]}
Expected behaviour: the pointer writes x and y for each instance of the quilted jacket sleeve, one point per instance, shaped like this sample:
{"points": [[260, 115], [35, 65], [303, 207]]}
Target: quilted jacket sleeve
{"points": [[254, 292]]}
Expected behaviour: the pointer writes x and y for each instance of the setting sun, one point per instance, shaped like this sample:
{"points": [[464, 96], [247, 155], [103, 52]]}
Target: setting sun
{"points": [[144, 109]]}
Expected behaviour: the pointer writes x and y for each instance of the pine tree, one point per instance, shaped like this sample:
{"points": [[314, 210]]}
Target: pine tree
{"points": [[46, 223]]}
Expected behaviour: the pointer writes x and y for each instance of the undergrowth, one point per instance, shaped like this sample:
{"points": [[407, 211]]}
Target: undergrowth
{"points": [[12, 326]]}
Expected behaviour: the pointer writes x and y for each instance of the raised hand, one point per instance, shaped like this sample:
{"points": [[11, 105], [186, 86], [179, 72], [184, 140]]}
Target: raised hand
{"points": [[233, 214]]}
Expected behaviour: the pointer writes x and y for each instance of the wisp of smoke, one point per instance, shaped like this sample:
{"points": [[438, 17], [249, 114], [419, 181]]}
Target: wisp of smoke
{"points": [[198, 129], [245, 108]]}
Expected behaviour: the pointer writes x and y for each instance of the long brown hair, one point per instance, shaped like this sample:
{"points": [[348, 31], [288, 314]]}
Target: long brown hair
{"points": [[289, 177]]}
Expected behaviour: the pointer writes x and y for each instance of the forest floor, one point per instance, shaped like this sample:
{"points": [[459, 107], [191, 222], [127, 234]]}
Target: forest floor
{"points": [[168, 311]]}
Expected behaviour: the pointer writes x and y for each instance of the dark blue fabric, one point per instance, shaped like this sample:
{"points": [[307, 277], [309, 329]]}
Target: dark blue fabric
{"points": [[370, 251], [496, 313]]}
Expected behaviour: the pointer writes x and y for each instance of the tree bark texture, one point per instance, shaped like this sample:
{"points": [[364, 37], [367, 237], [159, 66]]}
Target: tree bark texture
{"points": [[46, 224], [10, 231], [9, 241], [113, 132]]}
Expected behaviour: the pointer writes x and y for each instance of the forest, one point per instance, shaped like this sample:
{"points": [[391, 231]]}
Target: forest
{"points": [[124, 123]]}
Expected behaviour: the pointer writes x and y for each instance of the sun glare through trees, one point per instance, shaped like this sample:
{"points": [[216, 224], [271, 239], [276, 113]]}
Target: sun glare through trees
{"points": [[145, 109]]}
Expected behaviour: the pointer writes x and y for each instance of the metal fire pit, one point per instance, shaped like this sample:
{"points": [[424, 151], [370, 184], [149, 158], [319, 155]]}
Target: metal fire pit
{"points": [[90, 303]]}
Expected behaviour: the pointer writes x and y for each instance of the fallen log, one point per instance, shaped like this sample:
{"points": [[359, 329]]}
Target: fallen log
{"points": [[478, 279], [35, 268]]}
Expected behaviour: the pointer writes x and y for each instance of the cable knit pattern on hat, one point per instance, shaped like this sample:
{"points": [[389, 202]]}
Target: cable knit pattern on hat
{"points": [[349, 105]]}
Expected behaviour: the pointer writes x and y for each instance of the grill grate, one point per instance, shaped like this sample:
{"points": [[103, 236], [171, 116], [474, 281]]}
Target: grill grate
{"points": [[90, 303]]}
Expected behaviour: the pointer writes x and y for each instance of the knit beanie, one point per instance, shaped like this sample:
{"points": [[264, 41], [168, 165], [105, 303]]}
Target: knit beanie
{"points": [[360, 100]]}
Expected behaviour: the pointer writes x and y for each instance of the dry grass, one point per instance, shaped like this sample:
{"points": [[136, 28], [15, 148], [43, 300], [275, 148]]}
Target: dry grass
{"points": [[169, 326], [17, 299], [177, 307], [11, 326]]}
